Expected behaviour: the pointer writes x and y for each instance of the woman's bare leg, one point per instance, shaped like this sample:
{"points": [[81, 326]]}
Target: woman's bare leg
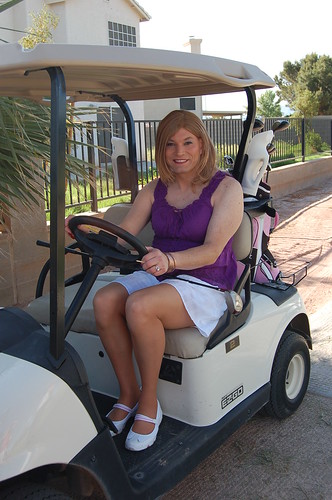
{"points": [[148, 313], [109, 307]]}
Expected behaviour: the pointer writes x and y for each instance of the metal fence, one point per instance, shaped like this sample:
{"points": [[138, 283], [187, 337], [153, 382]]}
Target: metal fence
{"points": [[109, 181]]}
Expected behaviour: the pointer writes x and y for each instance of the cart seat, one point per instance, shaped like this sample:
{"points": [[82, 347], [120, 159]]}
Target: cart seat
{"points": [[183, 343]]}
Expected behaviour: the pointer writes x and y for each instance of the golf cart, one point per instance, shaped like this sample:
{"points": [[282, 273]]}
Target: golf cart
{"points": [[56, 382]]}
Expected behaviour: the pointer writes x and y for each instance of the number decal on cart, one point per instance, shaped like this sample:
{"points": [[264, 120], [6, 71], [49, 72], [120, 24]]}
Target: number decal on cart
{"points": [[229, 398]]}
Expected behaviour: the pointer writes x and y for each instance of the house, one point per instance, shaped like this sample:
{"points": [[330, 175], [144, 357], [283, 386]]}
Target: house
{"points": [[91, 22], [100, 22]]}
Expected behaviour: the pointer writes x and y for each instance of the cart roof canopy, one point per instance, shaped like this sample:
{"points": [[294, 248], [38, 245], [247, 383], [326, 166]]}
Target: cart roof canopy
{"points": [[95, 73]]}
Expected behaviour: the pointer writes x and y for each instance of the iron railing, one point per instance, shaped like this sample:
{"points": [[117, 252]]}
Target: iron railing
{"points": [[303, 138]]}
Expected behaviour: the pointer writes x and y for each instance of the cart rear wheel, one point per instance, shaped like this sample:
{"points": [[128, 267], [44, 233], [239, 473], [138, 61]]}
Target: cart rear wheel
{"points": [[290, 376]]}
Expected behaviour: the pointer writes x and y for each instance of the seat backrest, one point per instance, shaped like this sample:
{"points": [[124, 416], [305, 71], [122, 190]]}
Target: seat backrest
{"points": [[242, 241]]}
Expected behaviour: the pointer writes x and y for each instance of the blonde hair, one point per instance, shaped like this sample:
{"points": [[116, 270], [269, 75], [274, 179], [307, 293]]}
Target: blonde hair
{"points": [[168, 126]]}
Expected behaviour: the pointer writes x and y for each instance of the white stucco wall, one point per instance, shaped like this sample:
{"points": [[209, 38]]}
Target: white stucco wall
{"points": [[91, 25], [81, 21]]}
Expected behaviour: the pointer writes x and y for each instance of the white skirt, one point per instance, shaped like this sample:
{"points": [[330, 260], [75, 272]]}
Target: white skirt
{"points": [[204, 305]]}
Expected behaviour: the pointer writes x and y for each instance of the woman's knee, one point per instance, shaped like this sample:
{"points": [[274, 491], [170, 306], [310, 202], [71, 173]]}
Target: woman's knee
{"points": [[138, 307], [109, 300]]}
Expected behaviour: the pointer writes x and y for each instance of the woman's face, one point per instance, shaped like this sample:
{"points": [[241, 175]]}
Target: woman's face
{"points": [[183, 151]]}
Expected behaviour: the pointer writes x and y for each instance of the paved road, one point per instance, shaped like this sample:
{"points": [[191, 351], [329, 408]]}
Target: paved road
{"points": [[291, 459]]}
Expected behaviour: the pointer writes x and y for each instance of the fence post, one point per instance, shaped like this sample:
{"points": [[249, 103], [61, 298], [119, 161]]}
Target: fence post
{"points": [[92, 173], [303, 139]]}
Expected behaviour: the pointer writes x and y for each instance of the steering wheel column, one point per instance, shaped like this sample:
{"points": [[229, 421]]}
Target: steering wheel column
{"points": [[104, 249]]}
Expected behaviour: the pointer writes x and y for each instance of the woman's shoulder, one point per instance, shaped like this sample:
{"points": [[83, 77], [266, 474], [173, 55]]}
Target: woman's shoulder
{"points": [[229, 186], [149, 187], [157, 187], [219, 177], [225, 177]]}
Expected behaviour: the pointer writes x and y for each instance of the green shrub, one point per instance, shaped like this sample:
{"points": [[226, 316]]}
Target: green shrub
{"points": [[314, 143]]}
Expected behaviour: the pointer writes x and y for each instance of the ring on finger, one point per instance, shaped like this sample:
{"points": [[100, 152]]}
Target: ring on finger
{"points": [[157, 269]]}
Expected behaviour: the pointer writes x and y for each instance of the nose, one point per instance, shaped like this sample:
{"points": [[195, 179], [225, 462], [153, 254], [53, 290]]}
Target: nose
{"points": [[179, 149]]}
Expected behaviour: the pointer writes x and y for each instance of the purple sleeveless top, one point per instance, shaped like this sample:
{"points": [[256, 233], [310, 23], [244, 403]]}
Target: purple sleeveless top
{"points": [[180, 229]]}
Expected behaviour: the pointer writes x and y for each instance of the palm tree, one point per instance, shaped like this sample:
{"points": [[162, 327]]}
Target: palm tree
{"points": [[25, 148]]}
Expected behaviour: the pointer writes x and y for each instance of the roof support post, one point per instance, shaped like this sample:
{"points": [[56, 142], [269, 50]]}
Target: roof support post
{"points": [[241, 157], [57, 212]]}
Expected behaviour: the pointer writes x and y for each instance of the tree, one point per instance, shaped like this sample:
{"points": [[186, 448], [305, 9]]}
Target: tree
{"points": [[267, 106], [306, 85], [43, 23]]}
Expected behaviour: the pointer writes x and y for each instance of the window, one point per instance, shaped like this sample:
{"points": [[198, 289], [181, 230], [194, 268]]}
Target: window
{"points": [[121, 35], [188, 103]]}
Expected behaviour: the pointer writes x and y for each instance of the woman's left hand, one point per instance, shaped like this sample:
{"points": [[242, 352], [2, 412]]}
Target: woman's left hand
{"points": [[155, 262]]}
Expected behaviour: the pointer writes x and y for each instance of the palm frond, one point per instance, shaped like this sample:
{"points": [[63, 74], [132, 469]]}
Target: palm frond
{"points": [[25, 149]]}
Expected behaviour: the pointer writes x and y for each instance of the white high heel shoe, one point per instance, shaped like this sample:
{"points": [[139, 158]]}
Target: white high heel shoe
{"points": [[139, 442]]}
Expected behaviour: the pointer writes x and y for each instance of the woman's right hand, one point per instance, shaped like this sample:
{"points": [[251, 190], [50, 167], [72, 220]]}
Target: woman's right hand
{"points": [[82, 227], [68, 231]]}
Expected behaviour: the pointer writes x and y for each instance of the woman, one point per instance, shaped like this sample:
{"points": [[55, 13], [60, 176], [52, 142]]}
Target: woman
{"points": [[195, 210]]}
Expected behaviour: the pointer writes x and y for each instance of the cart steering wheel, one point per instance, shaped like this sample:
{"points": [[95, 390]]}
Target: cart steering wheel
{"points": [[104, 244]]}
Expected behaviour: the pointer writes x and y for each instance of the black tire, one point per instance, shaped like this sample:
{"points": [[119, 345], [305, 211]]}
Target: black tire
{"points": [[289, 377], [32, 491]]}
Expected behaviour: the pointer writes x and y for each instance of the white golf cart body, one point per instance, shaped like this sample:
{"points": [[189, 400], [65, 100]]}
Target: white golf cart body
{"points": [[55, 387]]}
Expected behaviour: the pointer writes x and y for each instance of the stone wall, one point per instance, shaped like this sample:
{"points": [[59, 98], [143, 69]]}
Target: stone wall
{"points": [[20, 258], [291, 178]]}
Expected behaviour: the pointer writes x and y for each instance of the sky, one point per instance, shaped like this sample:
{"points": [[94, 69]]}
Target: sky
{"points": [[258, 32]]}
